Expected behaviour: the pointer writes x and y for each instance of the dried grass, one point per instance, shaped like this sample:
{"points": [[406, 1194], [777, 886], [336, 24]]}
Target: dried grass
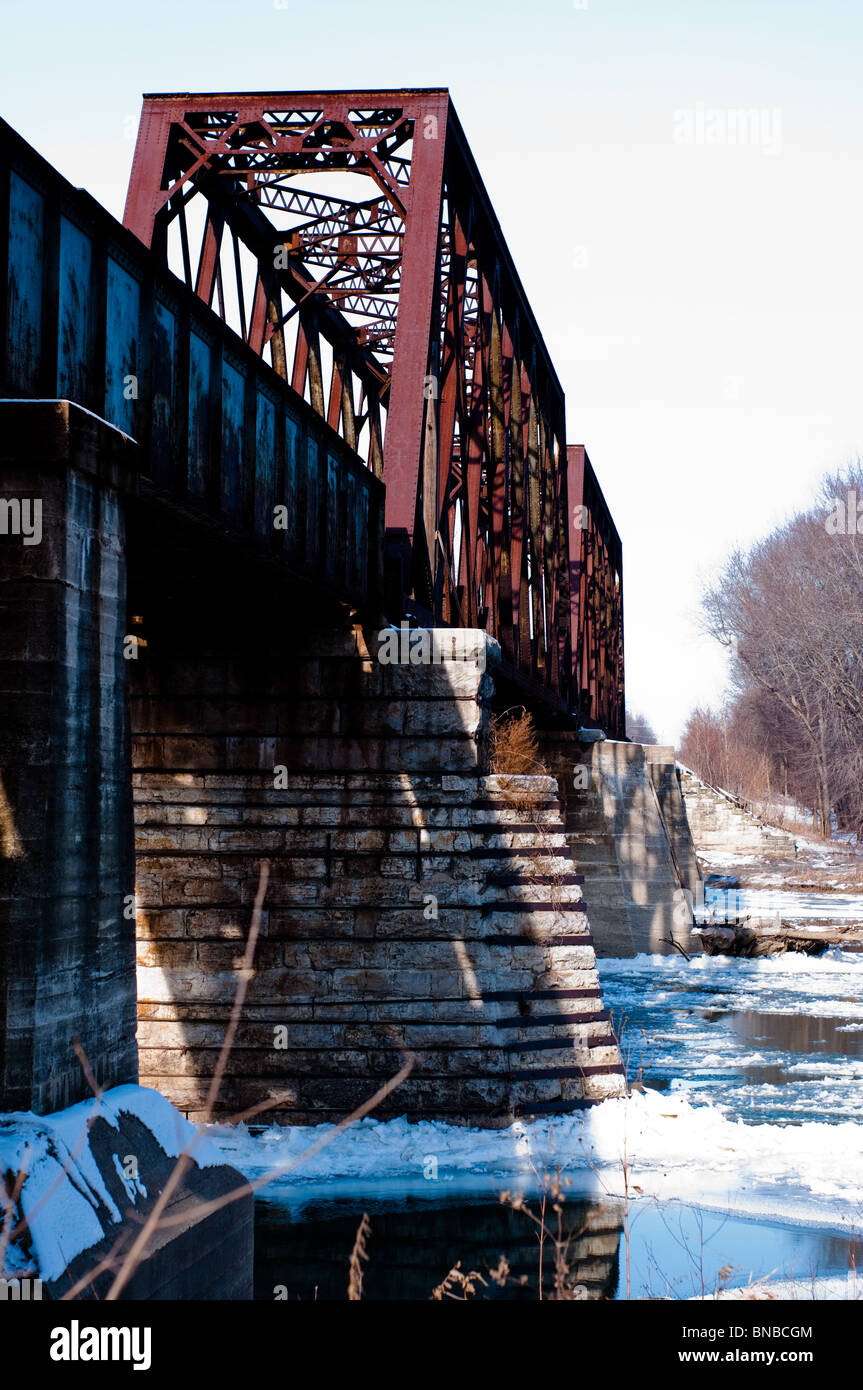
{"points": [[514, 757], [514, 746], [358, 1255], [458, 1285]]}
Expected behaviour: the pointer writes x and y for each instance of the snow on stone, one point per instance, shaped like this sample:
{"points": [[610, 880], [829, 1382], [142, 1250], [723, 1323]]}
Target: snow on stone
{"points": [[64, 1189]]}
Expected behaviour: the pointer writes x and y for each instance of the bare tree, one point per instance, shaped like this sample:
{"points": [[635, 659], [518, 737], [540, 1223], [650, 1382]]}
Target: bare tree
{"points": [[790, 612], [639, 729]]}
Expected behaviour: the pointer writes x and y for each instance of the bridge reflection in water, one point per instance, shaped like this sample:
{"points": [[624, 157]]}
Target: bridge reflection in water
{"points": [[304, 1253]]}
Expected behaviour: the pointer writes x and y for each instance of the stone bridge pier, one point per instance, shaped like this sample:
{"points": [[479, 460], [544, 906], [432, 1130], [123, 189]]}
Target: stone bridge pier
{"points": [[416, 906]]}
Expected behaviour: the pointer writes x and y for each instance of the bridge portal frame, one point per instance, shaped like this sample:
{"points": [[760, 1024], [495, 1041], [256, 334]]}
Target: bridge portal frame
{"points": [[428, 326]]}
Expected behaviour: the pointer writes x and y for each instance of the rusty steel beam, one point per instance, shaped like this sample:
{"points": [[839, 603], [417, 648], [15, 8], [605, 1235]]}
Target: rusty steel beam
{"points": [[376, 265], [596, 606]]}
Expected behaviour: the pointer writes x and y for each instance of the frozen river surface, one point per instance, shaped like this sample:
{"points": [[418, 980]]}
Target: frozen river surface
{"points": [[745, 1145]]}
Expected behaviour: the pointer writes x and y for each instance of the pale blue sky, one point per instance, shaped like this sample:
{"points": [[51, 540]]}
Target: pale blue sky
{"points": [[703, 302]]}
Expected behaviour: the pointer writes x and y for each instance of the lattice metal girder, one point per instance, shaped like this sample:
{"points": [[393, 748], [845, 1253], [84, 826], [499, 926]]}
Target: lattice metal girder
{"points": [[596, 613], [414, 288]]}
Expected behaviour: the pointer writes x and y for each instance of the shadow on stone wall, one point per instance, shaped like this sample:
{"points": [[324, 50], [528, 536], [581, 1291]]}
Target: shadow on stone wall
{"points": [[410, 908]]}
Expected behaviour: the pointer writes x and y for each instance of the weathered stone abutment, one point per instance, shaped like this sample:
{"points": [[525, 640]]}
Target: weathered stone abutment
{"points": [[414, 904]]}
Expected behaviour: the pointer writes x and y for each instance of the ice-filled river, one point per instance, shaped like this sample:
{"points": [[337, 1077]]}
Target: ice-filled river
{"points": [[778, 1039], [741, 1159]]}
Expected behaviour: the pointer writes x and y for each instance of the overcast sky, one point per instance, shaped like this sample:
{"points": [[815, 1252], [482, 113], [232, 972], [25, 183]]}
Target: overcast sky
{"points": [[697, 278]]}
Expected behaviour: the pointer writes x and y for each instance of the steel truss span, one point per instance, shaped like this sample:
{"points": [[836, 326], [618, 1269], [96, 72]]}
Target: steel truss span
{"points": [[349, 240]]}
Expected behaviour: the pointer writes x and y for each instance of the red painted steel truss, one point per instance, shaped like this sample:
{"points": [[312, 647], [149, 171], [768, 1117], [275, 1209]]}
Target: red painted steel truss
{"points": [[349, 239], [597, 588]]}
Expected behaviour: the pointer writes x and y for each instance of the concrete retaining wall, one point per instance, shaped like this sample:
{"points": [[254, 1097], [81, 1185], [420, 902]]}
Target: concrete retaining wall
{"points": [[627, 828], [67, 951]]}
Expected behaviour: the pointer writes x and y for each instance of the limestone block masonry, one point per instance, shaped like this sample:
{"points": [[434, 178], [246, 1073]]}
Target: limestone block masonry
{"points": [[720, 826], [415, 905]]}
